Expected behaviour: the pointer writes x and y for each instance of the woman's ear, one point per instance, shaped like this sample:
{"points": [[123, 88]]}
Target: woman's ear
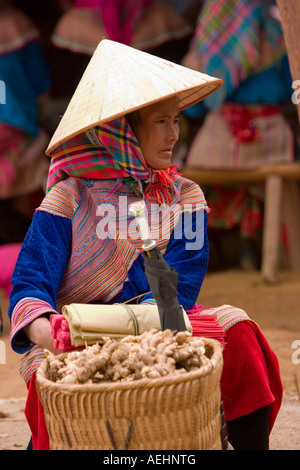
{"points": [[133, 120]]}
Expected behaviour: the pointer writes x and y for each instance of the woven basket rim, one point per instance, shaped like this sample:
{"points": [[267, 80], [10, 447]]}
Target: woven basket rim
{"points": [[216, 360]]}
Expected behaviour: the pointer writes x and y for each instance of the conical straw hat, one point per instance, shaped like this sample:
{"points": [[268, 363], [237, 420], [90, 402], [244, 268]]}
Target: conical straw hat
{"points": [[120, 79]]}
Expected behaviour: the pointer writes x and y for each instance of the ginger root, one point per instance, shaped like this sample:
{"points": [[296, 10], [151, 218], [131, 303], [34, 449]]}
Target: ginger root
{"points": [[152, 354]]}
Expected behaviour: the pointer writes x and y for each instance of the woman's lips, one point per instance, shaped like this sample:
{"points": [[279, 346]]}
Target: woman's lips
{"points": [[167, 152]]}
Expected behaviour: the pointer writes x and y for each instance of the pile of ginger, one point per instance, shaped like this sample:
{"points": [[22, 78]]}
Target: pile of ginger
{"points": [[152, 354]]}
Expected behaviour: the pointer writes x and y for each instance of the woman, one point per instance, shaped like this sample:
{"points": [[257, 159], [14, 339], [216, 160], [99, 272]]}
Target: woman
{"points": [[86, 22], [24, 89], [25, 85], [63, 260], [243, 43]]}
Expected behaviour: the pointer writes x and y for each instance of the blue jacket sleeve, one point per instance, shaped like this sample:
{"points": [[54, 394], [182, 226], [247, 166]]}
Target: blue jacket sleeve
{"points": [[42, 259]]}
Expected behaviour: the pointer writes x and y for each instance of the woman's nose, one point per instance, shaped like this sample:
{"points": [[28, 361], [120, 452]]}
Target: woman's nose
{"points": [[173, 133]]}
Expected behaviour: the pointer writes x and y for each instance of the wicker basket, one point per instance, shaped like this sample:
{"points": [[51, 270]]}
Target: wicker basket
{"points": [[174, 412]]}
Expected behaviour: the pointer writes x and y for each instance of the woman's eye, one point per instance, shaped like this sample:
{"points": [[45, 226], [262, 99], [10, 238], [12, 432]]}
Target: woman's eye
{"points": [[165, 121]]}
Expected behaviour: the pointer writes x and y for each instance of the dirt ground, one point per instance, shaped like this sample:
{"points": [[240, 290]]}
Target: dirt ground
{"points": [[274, 307]]}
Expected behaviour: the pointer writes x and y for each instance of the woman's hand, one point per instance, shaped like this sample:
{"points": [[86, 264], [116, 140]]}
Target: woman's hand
{"points": [[39, 333]]}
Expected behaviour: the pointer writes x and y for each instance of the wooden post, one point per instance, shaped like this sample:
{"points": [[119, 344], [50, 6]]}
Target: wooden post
{"points": [[290, 19], [271, 232], [291, 215]]}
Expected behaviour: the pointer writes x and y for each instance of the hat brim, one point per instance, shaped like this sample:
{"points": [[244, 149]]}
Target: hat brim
{"points": [[120, 79]]}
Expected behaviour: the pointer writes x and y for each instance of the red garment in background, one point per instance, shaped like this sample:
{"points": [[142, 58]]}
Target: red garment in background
{"points": [[231, 207], [244, 388]]}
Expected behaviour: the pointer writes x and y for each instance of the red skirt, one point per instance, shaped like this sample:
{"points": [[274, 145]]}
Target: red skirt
{"points": [[250, 380]]}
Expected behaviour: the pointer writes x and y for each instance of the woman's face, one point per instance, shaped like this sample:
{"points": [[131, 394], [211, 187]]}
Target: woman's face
{"points": [[157, 130]]}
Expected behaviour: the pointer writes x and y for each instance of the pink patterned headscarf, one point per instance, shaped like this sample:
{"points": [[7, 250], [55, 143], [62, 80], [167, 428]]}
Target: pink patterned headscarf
{"points": [[111, 151]]}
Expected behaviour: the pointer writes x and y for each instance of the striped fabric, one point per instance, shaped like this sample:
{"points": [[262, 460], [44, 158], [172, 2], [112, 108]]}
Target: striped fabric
{"points": [[30, 362], [103, 152], [227, 315], [216, 147], [233, 39], [27, 310], [63, 199], [105, 239]]}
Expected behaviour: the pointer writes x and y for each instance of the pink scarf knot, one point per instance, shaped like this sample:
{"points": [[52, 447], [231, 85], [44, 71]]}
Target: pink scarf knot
{"points": [[160, 186]]}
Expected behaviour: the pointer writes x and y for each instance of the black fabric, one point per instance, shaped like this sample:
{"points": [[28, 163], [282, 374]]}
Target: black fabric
{"points": [[163, 281], [250, 432], [29, 446]]}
